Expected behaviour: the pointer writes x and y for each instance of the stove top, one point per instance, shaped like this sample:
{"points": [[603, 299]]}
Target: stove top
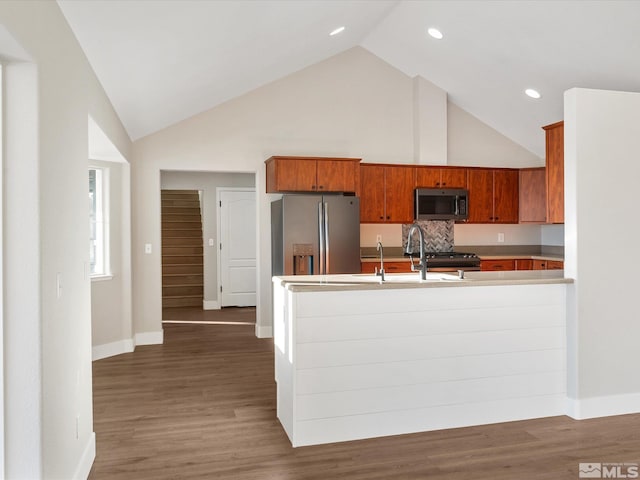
{"points": [[456, 255]]}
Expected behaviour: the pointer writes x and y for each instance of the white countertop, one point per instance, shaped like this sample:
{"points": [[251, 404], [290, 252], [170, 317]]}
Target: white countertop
{"points": [[348, 282]]}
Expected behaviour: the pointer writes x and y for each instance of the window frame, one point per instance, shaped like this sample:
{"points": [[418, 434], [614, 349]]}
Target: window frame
{"points": [[100, 224]]}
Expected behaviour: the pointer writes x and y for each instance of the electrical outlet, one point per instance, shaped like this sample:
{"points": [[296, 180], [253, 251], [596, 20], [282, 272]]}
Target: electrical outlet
{"points": [[211, 242], [501, 237], [378, 238], [147, 248]]}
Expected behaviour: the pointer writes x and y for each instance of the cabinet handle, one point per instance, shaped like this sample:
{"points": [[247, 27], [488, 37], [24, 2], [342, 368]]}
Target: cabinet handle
{"points": [[437, 184], [444, 184], [381, 217], [388, 217], [320, 187]]}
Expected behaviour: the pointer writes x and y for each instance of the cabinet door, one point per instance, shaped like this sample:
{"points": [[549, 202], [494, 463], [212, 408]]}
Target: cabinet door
{"points": [[399, 188], [372, 194], [539, 264], [555, 265], [505, 196], [480, 195], [297, 175], [524, 264], [496, 265], [453, 177], [555, 172], [427, 177], [337, 176], [533, 195]]}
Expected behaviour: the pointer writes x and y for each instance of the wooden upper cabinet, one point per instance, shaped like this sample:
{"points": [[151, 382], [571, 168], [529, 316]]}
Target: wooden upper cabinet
{"points": [[554, 135], [386, 193], [505, 196], [372, 208], [533, 195], [480, 195], [493, 195], [399, 191], [434, 177], [312, 174]]}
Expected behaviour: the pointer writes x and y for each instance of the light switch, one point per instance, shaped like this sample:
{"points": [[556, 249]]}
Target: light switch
{"points": [[501, 237], [147, 248], [211, 242]]}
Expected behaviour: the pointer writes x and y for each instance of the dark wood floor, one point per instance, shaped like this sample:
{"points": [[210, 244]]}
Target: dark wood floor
{"points": [[202, 406]]}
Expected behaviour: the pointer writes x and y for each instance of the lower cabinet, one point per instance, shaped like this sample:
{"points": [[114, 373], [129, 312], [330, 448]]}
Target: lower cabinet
{"points": [[496, 265], [548, 265], [389, 267], [520, 264]]}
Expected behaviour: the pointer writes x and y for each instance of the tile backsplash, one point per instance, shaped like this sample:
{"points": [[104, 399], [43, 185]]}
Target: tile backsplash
{"points": [[438, 235]]}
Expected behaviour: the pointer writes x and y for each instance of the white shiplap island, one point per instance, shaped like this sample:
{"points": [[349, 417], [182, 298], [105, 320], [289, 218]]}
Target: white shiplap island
{"points": [[357, 359]]}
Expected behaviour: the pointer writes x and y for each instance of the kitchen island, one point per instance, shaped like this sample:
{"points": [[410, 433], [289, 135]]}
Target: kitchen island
{"points": [[356, 358]]}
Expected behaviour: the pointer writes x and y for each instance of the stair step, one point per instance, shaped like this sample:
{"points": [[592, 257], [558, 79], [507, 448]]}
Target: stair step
{"points": [[182, 241], [169, 191], [181, 233], [182, 250], [181, 217], [177, 225], [182, 260], [176, 269], [182, 290], [182, 279], [174, 202], [182, 302], [168, 211]]}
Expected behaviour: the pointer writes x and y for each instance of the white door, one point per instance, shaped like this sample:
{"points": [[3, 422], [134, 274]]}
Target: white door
{"points": [[237, 248]]}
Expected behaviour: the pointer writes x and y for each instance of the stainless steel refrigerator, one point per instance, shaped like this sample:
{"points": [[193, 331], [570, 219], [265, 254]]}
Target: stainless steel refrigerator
{"points": [[315, 235]]}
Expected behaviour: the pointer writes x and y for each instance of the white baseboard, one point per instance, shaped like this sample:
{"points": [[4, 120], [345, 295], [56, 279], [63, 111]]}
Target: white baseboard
{"points": [[594, 407], [88, 456], [110, 349], [264, 332], [149, 338], [210, 305]]}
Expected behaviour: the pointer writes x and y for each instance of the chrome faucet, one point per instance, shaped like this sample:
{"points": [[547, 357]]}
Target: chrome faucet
{"points": [[380, 273], [422, 264]]}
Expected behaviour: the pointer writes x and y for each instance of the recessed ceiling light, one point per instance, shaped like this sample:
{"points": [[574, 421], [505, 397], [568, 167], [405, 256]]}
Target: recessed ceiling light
{"points": [[532, 93], [435, 33], [337, 31]]}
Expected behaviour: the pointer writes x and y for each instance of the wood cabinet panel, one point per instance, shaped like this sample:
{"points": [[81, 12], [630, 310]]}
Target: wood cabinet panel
{"points": [[430, 177], [372, 207], [554, 135], [497, 265], [389, 267], [337, 176], [533, 195], [480, 196], [505, 196], [555, 265], [493, 195], [386, 193], [539, 264], [399, 188], [523, 264], [312, 174]]}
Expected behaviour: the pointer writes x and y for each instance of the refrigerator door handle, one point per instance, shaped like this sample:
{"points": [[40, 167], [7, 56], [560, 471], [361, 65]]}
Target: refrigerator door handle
{"points": [[321, 263], [326, 238]]}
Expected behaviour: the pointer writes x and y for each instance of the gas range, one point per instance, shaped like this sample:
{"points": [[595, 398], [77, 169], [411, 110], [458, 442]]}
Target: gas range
{"points": [[452, 261]]}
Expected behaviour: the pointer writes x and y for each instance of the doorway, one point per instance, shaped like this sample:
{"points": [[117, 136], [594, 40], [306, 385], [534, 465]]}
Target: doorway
{"points": [[208, 184]]}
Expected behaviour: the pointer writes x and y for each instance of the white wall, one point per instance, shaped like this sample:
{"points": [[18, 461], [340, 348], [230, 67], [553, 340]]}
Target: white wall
{"points": [[602, 145], [111, 326], [207, 182], [49, 95], [474, 143]]}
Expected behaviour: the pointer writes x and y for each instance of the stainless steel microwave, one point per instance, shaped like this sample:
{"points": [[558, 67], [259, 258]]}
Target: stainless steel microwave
{"points": [[441, 204]]}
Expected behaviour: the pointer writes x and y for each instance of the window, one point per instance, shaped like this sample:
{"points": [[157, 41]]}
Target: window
{"points": [[98, 222]]}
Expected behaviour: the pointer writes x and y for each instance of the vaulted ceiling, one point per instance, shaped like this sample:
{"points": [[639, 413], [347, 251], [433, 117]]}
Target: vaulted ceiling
{"points": [[161, 61]]}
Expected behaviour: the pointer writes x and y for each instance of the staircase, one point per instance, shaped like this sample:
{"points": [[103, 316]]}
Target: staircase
{"points": [[182, 266]]}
